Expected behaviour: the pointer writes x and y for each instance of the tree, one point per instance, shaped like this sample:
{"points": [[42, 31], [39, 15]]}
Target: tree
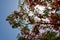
{"points": [[37, 19]]}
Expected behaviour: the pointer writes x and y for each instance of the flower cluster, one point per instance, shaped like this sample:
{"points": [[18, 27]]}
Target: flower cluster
{"points": [[37, 20]]}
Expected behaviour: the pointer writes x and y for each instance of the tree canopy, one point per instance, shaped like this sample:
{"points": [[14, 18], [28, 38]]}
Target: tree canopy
{"points": [[37, 19]]}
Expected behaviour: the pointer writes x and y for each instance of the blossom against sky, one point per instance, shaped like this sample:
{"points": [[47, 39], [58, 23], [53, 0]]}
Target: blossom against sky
{"points": [[6, 32]]}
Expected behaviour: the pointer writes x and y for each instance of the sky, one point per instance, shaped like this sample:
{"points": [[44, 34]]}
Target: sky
{"points": [[6, 31]]}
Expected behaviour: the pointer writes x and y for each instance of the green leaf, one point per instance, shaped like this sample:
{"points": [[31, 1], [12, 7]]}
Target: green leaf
{"points": [[21, 38], [9, 18], [26, 28], [16, 12], [16, 25], [46, 12], [31, 20], [49, 36]]}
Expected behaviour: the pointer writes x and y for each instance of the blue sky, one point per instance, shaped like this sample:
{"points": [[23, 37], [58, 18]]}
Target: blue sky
{"points": [[6, 31]]}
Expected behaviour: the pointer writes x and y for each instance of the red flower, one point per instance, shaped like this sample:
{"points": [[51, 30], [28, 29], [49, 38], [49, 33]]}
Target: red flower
{"points": [[54, 0], [55, 3], [30, 1], [58, 38]]}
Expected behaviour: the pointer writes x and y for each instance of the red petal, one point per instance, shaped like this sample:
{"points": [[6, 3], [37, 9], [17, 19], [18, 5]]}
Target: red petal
{"points": [[30, 0], [54, 0]]}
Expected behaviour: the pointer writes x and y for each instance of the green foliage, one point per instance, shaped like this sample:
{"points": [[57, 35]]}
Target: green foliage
{"points": [[26, 28], [50, 3], [21, 38], [16, 25], [16, 19], [15, 12], [35, 0], [10, 17], [31, 20], [49, 36], [46, 12]]}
